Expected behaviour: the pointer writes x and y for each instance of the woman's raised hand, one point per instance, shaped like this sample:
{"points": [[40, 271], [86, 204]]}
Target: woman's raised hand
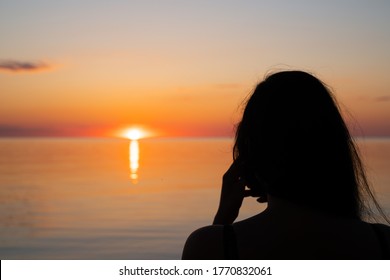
{"points": [[232, 194]]}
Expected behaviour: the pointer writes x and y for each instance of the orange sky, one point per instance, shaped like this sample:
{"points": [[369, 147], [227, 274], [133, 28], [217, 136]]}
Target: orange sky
{"points": [[181, 68]]}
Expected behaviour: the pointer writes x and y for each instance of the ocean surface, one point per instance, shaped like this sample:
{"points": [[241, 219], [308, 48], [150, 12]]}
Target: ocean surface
{"points": [[118, 199]]}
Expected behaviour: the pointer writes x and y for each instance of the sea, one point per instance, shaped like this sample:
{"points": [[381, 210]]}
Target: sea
{"points": [[98, 199]]}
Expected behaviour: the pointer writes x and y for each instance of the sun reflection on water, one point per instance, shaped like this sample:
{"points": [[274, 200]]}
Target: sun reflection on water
{"points": [[134, 160]]}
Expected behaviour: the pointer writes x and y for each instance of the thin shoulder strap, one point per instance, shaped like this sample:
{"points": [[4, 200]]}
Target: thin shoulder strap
{"points": [[382, 240], [230, 249]]}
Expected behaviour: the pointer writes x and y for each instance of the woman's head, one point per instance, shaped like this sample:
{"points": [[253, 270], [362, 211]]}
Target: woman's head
{"points": [[294, 142]]}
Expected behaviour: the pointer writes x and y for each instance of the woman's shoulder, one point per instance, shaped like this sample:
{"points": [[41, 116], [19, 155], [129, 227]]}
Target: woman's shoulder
{"points": [[204, 243]]}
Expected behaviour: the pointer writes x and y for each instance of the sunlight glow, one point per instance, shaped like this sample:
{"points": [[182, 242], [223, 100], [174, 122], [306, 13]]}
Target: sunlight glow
{"points": [[134, 133]]}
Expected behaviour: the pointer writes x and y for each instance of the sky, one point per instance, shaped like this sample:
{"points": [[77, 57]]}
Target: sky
{"points": [[182, 68]]}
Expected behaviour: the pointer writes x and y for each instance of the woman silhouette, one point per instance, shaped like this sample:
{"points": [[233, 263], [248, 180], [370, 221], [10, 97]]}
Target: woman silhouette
{"points": [[293, 150]]}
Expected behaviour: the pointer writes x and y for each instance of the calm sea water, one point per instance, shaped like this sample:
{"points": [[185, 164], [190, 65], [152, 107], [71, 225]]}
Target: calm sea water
{"points": [[115, 199]]}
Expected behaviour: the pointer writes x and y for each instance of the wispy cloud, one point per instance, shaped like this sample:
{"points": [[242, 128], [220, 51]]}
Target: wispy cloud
{"points": [[80, 130], [383, 98], [20, 131], [16, 66]]}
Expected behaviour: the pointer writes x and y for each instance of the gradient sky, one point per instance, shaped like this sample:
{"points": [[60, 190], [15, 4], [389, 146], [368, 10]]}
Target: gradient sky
{"points": [[88, 67]]}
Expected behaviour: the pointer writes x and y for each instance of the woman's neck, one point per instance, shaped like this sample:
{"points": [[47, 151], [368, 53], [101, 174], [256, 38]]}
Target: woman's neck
{"points": [[285, 208]]}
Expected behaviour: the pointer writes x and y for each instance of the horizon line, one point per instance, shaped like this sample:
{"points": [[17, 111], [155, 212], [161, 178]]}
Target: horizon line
{"points": [[360, 137]]}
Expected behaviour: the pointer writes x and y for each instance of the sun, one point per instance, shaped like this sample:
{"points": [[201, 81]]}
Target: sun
{"points": [[134, 133]]}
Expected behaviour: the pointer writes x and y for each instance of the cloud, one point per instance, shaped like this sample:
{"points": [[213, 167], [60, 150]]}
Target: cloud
{"points": [[70, 130], [22, 66], [20, 131], [383, 98]]}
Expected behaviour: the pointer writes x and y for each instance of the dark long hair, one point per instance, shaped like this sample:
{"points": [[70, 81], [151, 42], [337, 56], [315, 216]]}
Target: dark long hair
{"points": [[295, 145]]}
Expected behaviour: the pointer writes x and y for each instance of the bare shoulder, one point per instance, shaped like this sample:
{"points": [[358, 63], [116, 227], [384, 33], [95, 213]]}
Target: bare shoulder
{"points": [[204, 243]]}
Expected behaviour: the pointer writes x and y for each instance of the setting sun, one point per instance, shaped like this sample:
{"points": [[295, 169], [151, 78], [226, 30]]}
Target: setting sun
{"points": [[134, 133]]}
